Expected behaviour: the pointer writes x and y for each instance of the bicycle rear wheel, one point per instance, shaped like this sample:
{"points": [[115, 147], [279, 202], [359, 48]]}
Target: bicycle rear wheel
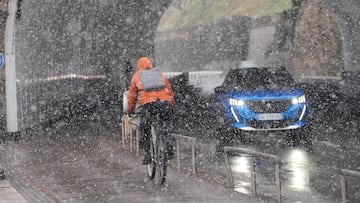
{"points": [[151, 167], [161, 167]]}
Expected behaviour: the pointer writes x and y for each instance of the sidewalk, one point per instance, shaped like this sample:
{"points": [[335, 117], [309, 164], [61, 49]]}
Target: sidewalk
{"points": [[8, 194], [98, 169]]}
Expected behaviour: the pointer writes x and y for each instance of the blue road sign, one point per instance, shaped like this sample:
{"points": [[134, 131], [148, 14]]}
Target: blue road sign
{"points": [[1, 60]]}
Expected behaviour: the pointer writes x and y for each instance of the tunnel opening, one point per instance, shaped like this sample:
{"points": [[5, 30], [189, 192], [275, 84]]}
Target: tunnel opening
{"points": [[86, 49], [192, 37], [303, 36]]}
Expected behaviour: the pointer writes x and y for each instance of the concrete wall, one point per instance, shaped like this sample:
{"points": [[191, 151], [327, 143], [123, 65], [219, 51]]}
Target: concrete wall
{"points": [[73, 54], [225, 43], [70, 55], [317, 43], [315, 38], [347, 14]]}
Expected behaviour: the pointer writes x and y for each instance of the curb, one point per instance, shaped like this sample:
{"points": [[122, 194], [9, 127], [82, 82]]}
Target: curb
{"points": [[24, 184]]}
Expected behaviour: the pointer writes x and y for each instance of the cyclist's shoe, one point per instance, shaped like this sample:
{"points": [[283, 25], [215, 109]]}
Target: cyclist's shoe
{"points": [[147, 158]]}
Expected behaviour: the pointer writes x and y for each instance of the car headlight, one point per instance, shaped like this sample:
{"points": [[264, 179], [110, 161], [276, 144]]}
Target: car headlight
{"points": [[299, 100], [236, 102]]}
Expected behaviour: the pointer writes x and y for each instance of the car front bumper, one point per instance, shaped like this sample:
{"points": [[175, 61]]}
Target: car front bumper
{"points": [[243, 118]]}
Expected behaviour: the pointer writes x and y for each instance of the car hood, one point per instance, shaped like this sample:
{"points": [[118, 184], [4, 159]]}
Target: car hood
{"points": [[265, 94]]}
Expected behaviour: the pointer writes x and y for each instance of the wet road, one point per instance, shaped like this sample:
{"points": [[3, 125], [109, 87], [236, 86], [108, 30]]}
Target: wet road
{"points": [[63, 166], [85, 162], [309, 173]]}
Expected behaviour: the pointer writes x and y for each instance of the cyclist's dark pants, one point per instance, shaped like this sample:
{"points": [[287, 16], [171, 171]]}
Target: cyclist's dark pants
{"points": [[148, 114]]}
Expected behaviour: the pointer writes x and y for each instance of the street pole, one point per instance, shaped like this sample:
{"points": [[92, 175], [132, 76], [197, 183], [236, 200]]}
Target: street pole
{"points": [[10, 72]]}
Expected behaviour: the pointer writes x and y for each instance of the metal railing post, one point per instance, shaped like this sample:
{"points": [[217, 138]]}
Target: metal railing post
{"points": [[127, 127], [228, 167], [178, 154], [252, 168], [253, 178], [135, 127], [123, 131], [131, 139], [277, 181], [343, 189], [2, 174], [193, 152], [137, 141], [343, 173], [193, 155]]}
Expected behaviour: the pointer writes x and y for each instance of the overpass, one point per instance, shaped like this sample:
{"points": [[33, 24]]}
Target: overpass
{"points": [[64, 57]]}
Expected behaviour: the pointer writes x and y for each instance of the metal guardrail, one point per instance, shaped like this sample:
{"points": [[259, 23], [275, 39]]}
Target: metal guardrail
{"points": [[2, 174], [2, 162], [344, 173], [252, 169], [126, 123], [128, 126], [199, 78], [123, 129], [193, 154], [133, 126]]}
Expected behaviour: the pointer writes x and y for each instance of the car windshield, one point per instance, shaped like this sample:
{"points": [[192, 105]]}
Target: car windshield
{"points": [[258, 79]]}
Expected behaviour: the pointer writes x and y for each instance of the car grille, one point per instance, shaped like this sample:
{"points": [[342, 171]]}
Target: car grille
{"points": [[269, 124], [268, 106]]}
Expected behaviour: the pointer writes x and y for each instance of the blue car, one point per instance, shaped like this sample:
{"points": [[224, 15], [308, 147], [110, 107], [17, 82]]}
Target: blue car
{"points": [[261, 99]]}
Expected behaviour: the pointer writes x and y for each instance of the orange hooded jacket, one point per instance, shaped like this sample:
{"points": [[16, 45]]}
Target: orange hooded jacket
{"points": [[136, 90]]}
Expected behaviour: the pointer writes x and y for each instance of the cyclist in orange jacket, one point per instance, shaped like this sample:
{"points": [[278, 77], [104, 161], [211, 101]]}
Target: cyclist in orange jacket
{"points": [[154, 95]]}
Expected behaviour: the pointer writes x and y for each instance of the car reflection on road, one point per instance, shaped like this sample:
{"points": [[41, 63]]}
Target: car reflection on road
{"points": [[296, 169], [240, 165]]}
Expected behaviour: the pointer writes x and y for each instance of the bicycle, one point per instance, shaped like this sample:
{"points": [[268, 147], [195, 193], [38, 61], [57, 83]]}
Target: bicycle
{"points": [[157, 169]]}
